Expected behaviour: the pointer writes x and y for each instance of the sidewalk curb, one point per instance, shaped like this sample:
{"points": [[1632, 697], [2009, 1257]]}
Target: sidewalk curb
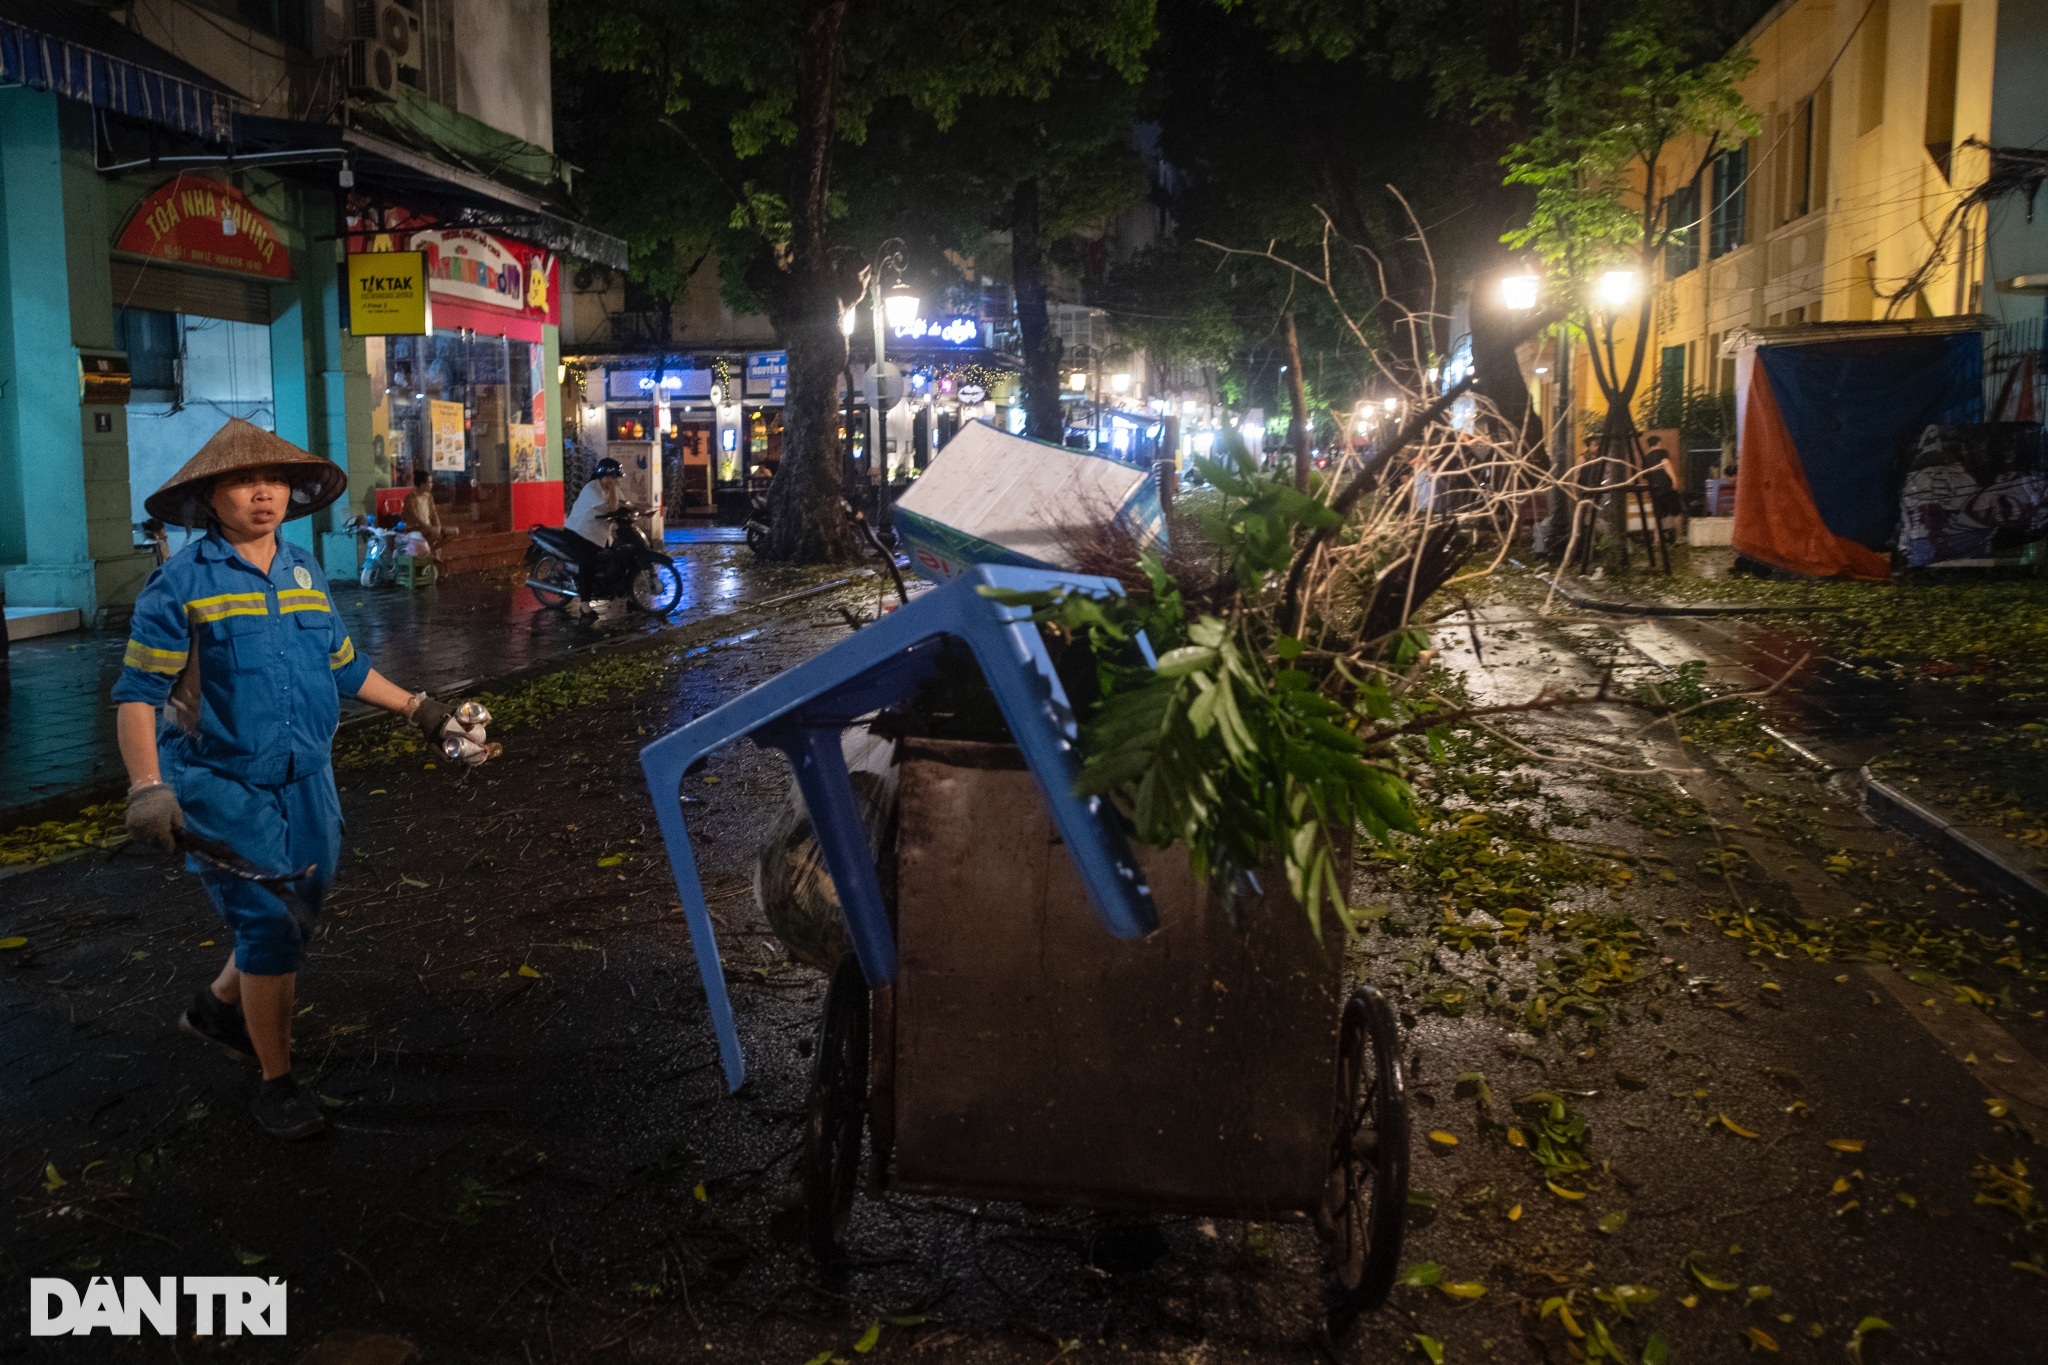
{"points": [[1886, 804], [1613, 608], [1895, 808], [69, 803]]}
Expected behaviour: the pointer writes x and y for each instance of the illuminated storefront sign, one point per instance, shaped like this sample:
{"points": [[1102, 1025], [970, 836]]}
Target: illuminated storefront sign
{"points": [[959, 331]]}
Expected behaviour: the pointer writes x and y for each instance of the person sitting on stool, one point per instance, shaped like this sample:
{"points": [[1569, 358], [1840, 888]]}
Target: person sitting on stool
{"points": [[423, 516]]}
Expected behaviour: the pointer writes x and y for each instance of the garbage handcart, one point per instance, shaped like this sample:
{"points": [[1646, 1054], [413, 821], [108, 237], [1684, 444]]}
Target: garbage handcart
{"points": [[985, 1037]]}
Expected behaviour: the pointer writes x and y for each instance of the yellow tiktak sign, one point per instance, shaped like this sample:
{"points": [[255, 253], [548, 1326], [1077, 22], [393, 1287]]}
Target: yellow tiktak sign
{"points": [[387, 294]]}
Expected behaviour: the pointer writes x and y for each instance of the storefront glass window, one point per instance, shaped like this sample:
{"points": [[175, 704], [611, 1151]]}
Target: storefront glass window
{"points": [[461, 406]]}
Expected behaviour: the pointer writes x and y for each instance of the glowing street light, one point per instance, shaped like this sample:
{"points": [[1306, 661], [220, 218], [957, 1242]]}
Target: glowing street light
{"points": [[1120, 383], [1617, 288], [1518, 292], [900, 305], [1078, 381]]}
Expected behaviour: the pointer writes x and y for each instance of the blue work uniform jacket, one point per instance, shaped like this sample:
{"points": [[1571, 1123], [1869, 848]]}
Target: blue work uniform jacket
{"points": [[249, 667]]}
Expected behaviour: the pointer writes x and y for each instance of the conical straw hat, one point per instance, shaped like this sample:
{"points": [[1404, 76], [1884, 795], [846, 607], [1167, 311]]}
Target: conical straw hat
{"points": [[184, 501]]}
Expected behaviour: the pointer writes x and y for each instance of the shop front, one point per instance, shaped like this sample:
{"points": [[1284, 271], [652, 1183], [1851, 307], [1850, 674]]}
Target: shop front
{"points": [[697, 433], [192, 270], [467, 400]]}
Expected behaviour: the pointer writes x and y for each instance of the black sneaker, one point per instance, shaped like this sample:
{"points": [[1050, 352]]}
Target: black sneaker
{"points": [[218, 1023], [286, 1111]]}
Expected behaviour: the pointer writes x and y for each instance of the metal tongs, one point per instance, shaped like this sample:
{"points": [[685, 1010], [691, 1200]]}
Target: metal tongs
{"points": [[221, 858]]}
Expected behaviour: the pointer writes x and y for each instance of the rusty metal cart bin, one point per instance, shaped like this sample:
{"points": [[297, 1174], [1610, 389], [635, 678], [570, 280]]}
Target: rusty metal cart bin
{"points": [[1022, 1056], [989, 1039]]}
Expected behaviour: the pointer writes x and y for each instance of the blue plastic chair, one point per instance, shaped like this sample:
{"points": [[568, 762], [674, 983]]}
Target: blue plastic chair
{"points": [[802, 712]]}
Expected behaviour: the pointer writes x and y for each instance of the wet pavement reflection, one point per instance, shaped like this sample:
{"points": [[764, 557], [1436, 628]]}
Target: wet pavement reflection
{"points": [[57, 724]]}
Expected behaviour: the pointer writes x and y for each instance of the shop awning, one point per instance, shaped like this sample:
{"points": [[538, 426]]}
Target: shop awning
{"points": [[83, 55], [492, 204], [457, 196]]}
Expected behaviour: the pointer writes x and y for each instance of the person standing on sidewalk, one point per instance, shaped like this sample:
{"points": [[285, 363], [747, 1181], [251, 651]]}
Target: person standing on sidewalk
{"points": [[237, 640]]}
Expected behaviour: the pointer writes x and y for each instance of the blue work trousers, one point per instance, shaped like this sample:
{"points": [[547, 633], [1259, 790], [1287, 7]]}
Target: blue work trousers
{"points": [[283, 829]]}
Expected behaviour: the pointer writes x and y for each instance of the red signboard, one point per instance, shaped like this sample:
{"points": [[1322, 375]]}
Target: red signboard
{"points": [[494, 284], [198, 220]]}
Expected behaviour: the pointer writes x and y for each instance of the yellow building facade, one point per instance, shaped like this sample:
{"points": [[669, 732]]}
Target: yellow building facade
{"points": [[1850, 204]]}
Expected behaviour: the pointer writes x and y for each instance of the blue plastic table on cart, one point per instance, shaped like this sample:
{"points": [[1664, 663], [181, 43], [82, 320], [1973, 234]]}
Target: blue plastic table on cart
{"points": [[802, 712]]}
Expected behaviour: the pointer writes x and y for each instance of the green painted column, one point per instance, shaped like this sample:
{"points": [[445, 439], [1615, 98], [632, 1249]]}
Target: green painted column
{"points": [[44, 541], [119, 568]]}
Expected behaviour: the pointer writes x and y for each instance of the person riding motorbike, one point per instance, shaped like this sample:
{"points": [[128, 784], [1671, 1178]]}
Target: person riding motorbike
{"points": [[591, 521]]}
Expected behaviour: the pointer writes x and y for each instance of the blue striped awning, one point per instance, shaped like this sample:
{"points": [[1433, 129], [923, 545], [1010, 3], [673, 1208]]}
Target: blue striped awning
{"points": [[43, 61]]}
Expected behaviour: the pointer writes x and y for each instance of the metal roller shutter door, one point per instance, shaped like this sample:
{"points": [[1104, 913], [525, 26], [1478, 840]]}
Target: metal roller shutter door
{"points": [[190, 291]]}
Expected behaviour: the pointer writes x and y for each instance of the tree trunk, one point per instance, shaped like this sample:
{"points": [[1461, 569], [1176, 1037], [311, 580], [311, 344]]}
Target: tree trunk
{"points": [[1497, 370], [1298, 429], [807, 515], [1039, 342]]}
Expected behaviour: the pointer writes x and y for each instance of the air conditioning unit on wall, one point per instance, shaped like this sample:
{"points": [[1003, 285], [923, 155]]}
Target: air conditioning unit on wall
{"points": [[384, 49]]}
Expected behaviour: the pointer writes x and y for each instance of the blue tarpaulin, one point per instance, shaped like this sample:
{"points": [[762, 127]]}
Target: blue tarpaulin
{"points": [[1855, 410], [1828, 428]]}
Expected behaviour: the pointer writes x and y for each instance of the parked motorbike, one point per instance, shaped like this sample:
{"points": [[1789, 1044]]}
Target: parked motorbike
{"points": [[757, 523], [561, 565], [382, 546]]}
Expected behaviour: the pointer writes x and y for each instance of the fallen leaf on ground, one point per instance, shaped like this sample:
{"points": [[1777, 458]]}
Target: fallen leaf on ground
{"points": [[52, 1182], [1732, 1126], [1462, 1289], [1864, 1329], [1611, 1223], [1421, 1274], [13, 941], [1561, 1192], [1710, 1281], [868, 1339], [1428, 1346], [1760, 1340], [251, 1257], [1846, 1144], [1515, 1214], [1443, 1139]]}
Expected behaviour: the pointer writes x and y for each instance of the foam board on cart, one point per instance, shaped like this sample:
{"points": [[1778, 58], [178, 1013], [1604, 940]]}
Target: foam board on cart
{"points": [[993, 498]]}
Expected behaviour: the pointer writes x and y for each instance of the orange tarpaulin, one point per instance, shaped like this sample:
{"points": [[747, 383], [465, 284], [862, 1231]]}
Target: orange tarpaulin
{"points": [[1776, 521]]}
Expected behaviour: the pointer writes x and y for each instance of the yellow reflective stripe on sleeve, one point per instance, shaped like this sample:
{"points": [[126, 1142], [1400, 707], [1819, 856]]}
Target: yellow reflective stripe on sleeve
{"points": [[301, 599], [152, 660], [341, 658], [203, 609]]}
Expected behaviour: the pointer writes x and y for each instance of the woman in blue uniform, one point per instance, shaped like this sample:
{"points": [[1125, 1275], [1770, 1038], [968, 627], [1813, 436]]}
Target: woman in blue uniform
{"points": [[238, 642]]}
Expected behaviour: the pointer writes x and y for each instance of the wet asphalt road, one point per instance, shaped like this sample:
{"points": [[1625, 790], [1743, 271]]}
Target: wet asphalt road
{"points": [[534, 1159]]}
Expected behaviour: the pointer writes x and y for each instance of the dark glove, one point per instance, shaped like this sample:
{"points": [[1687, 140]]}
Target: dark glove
{"points": [[432, 718], [154, 816]]}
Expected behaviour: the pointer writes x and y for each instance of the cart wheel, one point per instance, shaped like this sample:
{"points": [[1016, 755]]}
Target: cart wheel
{"points": [[836, 1113], [1366, 1196]]}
